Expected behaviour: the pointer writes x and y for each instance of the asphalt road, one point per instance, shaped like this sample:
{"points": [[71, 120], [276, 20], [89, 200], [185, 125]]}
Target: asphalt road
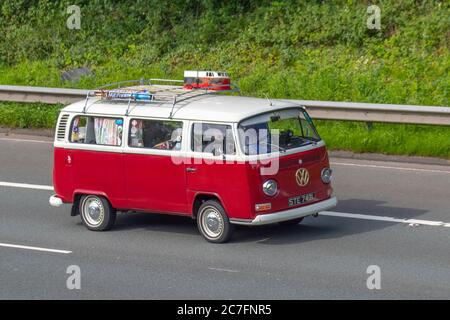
{"points": [[162, 257]]}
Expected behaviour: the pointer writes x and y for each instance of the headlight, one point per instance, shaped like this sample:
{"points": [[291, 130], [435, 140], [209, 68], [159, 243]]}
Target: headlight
{"points": [[326, 175], [270, 187]]}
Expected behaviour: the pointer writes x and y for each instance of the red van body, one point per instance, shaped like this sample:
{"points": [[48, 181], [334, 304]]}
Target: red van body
{"points": [[134, 178]]}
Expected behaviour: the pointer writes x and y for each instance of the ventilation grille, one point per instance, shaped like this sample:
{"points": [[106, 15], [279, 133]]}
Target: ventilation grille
{"points": [[61, 134]]}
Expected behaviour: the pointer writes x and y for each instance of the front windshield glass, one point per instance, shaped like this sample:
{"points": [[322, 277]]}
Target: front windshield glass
{"points": [[277, 131]]}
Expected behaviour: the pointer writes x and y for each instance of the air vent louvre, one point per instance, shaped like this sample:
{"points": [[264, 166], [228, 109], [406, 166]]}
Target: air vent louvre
{"points": [[61, 133]]}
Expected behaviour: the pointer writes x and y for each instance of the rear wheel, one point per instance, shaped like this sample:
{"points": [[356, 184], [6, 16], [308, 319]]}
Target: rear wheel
{"points": [[97, 213], [292, 222], [213, 222]]}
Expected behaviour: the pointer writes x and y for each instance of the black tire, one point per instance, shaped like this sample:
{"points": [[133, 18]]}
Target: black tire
{"points": [[216, 229], [102, 220], [292, 222]]}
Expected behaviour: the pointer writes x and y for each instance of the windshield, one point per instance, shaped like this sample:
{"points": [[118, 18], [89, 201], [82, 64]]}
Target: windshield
{"points": [[277, 131]]}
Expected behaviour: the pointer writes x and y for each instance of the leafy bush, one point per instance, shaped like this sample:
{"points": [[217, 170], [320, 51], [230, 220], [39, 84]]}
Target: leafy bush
{"points": [[319, 50]]}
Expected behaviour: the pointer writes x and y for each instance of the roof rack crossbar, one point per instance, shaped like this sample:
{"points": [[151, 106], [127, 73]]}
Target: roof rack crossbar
{"points": [[128, 107], [120, 83], [166, 80], [165, 94], [85, 102], [173, 106]]}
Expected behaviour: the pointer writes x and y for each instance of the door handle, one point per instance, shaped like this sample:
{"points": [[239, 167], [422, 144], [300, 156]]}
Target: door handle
{"points": [[191, 169], [68, 160]]}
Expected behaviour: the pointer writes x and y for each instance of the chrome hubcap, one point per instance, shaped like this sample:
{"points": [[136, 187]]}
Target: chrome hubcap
{"points": [[212, 222], [93, 211]]}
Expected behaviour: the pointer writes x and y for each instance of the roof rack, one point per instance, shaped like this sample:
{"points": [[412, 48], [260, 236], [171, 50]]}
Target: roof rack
{"points": [[149, 91]]}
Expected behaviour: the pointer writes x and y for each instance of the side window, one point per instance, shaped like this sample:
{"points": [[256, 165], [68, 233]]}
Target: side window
{"points": [[97, 130], [155, 134], [213, 138]]}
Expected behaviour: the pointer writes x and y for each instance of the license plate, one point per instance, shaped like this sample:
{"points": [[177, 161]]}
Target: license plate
{"points": [[294, 201]]}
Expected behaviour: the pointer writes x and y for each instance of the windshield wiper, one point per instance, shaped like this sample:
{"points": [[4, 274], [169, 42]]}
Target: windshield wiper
{"points": [[312, 140], [271, 144]]}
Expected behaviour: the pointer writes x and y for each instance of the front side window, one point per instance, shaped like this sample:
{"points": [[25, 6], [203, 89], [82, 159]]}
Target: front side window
{"points": [[213, 138], [277, 131], [97, 130], [155, 134]]}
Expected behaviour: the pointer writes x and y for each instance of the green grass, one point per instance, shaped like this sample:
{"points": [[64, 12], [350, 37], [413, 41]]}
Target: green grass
{"points": [[319, 50], [28, 115], [398, 139]]}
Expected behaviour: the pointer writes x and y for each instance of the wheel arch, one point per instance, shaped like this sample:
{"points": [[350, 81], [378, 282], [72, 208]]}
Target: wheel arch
{"points": [[76, 197], [202, 197]]}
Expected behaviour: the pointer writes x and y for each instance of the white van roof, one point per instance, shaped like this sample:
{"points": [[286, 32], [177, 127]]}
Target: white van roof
{"points": [[210, 107]]}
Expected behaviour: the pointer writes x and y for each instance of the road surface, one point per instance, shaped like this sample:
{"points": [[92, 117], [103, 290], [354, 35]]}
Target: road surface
{"points": [[395, 216]]}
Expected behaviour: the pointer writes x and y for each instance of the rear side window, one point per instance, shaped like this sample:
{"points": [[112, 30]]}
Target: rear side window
{"points": [[155, 134], [97, 130], [213, 138]]}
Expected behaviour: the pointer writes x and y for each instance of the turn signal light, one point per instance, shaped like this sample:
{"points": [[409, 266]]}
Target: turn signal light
{"points": [[330, 192], [263, 207]]}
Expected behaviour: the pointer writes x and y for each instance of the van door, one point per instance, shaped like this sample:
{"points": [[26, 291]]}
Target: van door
{"points": [[211, 169], [155, 180]]}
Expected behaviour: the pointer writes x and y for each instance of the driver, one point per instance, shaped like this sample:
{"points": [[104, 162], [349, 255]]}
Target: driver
{"points": [[154, 132], [173, 144]]}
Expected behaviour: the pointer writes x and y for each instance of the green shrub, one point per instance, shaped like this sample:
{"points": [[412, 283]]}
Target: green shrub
{"points": [[25, 115], [320, 50]]}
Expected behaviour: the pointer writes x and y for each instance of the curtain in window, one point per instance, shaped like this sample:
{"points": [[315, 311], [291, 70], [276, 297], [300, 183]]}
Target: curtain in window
{"points": [[107, 131]]}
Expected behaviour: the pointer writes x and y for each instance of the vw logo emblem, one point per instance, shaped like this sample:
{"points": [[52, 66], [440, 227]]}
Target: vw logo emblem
{"points": [[302, 177]]}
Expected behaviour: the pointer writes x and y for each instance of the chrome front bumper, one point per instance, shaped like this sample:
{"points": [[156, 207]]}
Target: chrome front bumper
{"points": [[288, 214]]}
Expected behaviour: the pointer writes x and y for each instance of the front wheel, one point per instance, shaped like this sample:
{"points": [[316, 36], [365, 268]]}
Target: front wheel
{"points": [[97, 213], [213, 222]]}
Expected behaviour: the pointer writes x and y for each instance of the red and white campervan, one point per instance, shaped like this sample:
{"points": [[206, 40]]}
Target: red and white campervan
{"points": [[220, 159]]}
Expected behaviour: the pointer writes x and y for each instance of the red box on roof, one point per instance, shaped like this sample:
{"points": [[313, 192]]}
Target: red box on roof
{"points": [[211, 80]]}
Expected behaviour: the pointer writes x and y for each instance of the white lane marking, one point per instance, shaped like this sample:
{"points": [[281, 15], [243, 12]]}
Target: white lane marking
{"points": [[386, 219], [223, 270], [25, 186], [25, 140], [388, 167], [324, 213], [8, 245]]}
